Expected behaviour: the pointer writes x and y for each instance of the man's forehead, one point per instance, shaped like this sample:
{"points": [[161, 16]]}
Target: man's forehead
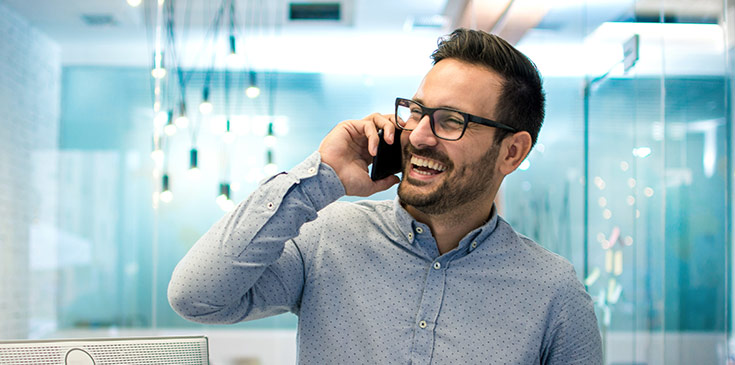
{"points": [[460, 85]]}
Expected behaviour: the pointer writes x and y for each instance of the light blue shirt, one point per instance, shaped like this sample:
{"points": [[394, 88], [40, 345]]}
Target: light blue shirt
{"points": [[369, 285]]}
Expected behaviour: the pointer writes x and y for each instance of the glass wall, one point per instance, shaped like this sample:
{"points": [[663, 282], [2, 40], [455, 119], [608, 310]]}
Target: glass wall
{"points": [[127, 248], [639, 169]]}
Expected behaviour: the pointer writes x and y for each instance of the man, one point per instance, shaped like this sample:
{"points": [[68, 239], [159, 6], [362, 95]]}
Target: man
{"points": [[435, 277]]}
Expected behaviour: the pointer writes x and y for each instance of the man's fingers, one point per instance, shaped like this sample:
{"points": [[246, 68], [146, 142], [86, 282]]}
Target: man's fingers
{"points": [[390, 128], [377, 121], [372, 135], [385, 122]]}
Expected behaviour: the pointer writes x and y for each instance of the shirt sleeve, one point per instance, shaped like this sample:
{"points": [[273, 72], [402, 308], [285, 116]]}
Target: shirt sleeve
{"points": [[246, 266], [574, 335]]}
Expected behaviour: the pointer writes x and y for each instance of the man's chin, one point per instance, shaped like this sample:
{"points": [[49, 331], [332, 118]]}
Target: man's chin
{"points": [[416, 193]]}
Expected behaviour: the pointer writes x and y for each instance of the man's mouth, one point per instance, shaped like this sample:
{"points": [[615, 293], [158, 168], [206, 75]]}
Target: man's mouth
{"points": [[426, 167]]}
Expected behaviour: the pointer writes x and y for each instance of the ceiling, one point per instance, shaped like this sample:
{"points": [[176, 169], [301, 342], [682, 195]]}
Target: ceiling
{"points": [[376, 36], [129, 37]]}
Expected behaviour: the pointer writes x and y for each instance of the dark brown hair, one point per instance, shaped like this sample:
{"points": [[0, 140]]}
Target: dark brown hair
{"points": [[521, 102]]}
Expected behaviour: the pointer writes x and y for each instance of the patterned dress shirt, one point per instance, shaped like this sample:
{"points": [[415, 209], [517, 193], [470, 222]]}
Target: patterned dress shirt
{"points": [[370, 287]]}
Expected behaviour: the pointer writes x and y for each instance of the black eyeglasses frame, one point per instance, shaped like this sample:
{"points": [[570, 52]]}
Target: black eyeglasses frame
{"points": [[467, 118]]}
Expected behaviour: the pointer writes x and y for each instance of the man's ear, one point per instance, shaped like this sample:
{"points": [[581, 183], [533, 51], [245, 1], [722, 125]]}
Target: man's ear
{"points": [[513, 150]]}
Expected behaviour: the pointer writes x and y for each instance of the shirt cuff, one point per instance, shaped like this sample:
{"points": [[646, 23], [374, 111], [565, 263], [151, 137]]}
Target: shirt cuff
{"points": [[318, 181]]}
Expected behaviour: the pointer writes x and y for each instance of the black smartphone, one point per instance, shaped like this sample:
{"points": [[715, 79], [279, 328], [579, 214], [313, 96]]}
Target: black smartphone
{"points": [[389, 159]]}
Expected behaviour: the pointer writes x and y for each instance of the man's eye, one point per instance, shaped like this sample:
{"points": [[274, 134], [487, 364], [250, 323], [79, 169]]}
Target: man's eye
{"points": [[453, 122], [416, 113]]}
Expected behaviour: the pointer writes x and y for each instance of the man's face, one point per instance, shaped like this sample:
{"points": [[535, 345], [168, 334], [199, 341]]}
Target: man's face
{"points": [[440, 175]]}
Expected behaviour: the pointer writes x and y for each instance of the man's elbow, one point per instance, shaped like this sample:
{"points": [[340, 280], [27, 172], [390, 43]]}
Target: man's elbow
{"points": [[181, 303], [192, 309]]}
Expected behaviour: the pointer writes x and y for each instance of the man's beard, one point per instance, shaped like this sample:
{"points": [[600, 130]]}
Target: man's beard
{"points": [[461, 186]]}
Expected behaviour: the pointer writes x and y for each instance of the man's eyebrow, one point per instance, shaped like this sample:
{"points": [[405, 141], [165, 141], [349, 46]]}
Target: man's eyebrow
{"points": [[421, 101]]}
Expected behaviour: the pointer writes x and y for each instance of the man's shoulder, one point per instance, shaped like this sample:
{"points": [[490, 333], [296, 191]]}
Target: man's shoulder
{"points": [[535, 255], [344, 215], [363, 222], [357, 208]]}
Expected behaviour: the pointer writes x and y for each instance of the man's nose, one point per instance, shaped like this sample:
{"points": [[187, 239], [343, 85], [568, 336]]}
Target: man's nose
{"points": [[422, 136]]}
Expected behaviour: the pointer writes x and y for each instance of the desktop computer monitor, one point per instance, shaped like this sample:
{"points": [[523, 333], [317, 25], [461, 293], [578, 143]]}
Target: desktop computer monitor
{"points": [[107, 351]]}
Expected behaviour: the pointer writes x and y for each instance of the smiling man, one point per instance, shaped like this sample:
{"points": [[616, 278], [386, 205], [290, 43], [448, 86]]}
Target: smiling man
{"points": [[434, 277]]}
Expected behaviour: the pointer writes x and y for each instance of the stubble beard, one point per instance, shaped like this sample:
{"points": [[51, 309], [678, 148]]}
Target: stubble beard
{"points": [[460, 187]]}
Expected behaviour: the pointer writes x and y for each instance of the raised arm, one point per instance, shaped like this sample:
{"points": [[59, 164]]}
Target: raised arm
{"points": [[246, 266]]}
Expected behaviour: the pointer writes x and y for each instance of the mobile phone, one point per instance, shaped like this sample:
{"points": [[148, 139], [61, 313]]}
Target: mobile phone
{"points": [[389, 159]]}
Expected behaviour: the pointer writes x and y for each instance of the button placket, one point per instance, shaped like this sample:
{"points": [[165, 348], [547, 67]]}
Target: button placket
{"points": [[431, 304]]}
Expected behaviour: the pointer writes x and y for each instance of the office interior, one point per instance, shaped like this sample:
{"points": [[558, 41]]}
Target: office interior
{"points": [[104, 186]]}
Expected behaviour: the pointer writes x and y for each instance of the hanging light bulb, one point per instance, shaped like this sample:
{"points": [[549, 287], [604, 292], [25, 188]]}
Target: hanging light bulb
{"points": [[170, 127], [223, 199], [224, 192], [193, 159], [182, 121], [228, 136], [206, 106], [159, 71], [160, 119], [166, 194], [270, 138], [232, 58], [253, 90], [194, 171], [232, 45], [134, 3], [157, 156], [270, 168]]}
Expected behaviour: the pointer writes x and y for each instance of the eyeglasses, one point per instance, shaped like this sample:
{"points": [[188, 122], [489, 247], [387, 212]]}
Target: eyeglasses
{"points": [[446, 123]]}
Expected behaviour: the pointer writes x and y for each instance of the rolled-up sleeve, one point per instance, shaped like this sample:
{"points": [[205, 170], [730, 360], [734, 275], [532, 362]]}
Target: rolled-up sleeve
{"points": [[246, 266]]}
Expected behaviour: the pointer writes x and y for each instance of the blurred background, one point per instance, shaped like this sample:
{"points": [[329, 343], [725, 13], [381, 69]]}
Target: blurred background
{"points": [[127, 128]]}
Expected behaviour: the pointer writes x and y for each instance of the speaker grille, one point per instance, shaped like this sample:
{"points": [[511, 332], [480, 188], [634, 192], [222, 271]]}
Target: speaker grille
{"points": [[175, 350]]}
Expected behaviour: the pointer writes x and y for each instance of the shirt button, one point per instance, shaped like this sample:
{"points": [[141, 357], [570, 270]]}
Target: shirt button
{"points": [[437, 265], [422, 324], [474, 244], [419, 230], [312, 170], [410, 235], [270, 205]]}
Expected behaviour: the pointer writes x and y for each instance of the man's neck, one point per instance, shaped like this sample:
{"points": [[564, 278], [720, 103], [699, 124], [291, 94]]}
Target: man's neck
{"points": [[450, 227]]}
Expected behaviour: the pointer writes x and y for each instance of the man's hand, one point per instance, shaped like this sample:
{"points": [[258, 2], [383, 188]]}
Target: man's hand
{"points": [[349, 149]]}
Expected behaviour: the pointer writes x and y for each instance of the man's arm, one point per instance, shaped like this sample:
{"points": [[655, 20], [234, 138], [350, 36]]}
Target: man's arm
{"points": [[246, 266], [574, 335]]}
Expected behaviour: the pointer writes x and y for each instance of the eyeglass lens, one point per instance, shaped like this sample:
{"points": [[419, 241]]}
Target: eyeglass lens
{"points": [[446, 123]]}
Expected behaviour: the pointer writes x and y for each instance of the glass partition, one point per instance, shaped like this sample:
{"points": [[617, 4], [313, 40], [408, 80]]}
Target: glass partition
{"points": [[641, 154]]}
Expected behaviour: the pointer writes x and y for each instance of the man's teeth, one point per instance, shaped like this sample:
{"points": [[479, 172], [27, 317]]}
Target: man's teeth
{"points": [[427, 163]]}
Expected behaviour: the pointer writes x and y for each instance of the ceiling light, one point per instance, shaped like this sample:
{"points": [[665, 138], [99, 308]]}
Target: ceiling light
{"points": [[170, 128], [166, 194], [182, 121], [206, 106]]}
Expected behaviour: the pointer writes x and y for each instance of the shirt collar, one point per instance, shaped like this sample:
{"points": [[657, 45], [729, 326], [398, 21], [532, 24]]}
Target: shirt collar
{"points": [[406, 225]]}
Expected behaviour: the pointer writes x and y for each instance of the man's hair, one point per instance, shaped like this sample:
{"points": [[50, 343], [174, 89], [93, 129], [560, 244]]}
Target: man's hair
{"points": [[521, 102]]}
